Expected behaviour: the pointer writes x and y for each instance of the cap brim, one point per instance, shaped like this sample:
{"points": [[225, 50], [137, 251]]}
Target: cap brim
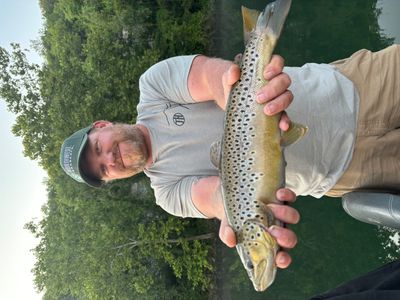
{"points": [[93, 182], [71, 156]]}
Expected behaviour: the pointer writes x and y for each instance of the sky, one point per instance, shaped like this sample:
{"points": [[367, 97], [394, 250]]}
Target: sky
{"points": [[21, 185], [21, 188]]}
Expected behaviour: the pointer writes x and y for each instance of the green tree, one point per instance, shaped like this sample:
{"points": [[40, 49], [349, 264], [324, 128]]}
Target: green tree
{"points": [[94, 53], [19, 86], [86, 250]]}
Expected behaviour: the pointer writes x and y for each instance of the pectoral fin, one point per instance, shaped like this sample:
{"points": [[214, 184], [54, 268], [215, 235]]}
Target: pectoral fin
{"points": [[293, 134], [215, 153]]}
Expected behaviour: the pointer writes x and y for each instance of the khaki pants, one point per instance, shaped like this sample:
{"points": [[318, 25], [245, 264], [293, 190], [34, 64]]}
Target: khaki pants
{"points": [[376, 159]]}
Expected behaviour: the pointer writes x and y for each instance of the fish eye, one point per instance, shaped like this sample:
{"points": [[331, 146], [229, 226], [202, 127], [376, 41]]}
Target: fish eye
{"points": [[249, 265]]}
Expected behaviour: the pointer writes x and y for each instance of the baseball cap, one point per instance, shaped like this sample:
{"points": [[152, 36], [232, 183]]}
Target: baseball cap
{"points": [[70, 155]]}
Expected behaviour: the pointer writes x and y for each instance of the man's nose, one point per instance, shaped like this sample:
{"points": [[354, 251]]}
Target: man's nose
{"points": [[110, 159]]}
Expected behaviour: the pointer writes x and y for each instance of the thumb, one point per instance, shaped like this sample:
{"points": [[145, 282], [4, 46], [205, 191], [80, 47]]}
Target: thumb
{"points": [[226, 233], [229, 78]]}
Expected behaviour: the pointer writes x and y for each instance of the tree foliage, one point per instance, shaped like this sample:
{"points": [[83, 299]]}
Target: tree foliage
{"points": [[94, 53], [84, 251], [19, 86]]}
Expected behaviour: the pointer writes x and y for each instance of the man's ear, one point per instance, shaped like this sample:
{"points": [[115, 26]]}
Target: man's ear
{"points": [[101, 124]]}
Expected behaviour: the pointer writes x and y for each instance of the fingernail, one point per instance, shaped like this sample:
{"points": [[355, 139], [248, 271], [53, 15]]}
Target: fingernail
{"points": [[274, 231], [226, 232], [280, 194], [285, 126], [261, 97], [269, 74], [270, 108], [281, 260]]}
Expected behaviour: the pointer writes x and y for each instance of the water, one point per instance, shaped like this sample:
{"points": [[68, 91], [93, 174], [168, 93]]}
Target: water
{"points": [[333, 247], [388, 19]]}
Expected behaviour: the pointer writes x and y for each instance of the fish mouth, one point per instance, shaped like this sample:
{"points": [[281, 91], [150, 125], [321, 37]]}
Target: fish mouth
{"points": [[258, 256], [262, 280], [261, 273]]}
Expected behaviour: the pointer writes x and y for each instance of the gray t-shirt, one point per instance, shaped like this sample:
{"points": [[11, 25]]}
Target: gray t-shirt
{"points": [[182, 131]]}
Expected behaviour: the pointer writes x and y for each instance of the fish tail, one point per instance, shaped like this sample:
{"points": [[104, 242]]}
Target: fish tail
{"points": [[273, 17]]}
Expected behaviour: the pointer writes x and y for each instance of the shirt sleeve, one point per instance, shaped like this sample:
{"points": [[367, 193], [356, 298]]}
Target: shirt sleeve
{"points": [[176, 199], [167, 80]]}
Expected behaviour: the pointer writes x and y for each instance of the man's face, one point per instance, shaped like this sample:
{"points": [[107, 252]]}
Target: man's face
{"points": [[114, 151]]}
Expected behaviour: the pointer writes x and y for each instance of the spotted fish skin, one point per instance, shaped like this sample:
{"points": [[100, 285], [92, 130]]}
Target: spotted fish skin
{"points": [[252, 166]]}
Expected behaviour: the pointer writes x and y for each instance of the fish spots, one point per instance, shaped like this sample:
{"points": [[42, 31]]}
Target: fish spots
{"points": [[242, 203], [239, 166]]}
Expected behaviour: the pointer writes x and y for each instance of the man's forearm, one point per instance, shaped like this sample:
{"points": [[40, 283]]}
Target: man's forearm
{"points": [[206, 79], [206, 196]]}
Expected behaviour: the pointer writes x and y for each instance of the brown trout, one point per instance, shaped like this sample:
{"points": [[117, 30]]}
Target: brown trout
{"points": [[252, 165]]}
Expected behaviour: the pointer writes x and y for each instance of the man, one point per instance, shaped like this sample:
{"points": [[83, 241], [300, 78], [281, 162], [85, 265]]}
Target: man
{"points": [[177, 93], [350, 106]]}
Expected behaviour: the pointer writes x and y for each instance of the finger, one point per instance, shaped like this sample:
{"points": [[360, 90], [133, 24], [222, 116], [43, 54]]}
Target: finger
{"points": [[286, 238], [226, 234], [286, 195], [233, 74], [229, 78], [238, 58], [285, 213], [276, 86], [274, 67], [279, 104], [284, 122], [283, 259]]}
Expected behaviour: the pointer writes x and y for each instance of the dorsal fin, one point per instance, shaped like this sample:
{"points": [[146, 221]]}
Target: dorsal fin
{"points": [[250, 17]]}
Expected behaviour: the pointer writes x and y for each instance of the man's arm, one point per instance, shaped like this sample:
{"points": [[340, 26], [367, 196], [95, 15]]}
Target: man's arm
{"points": [[204, 81], [206, 196]]}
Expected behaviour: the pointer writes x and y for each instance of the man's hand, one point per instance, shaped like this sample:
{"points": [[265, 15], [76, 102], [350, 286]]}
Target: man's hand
{"points": [[274, 94], [286, 238]]}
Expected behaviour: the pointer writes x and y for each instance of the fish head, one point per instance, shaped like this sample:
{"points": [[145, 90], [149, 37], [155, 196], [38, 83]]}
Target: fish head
{"points": [[257, 250]]}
